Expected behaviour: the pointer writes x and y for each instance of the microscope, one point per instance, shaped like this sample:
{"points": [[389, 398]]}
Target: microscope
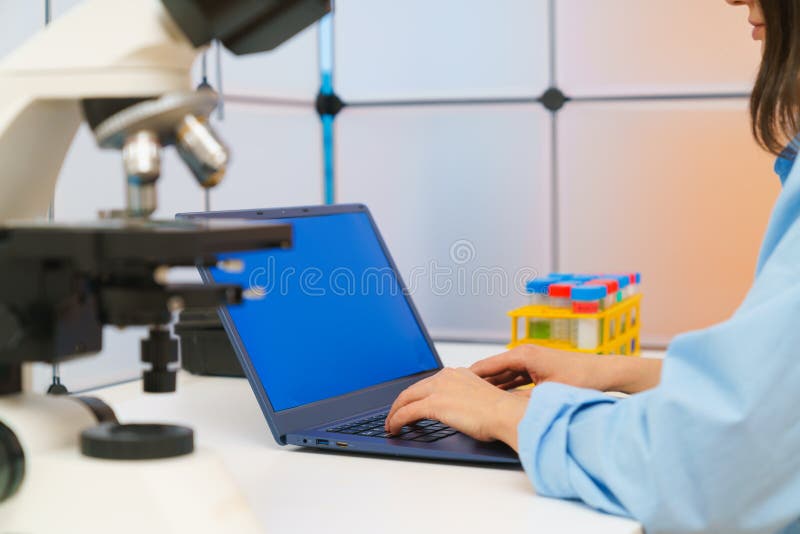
{"points": [[124, 67]]}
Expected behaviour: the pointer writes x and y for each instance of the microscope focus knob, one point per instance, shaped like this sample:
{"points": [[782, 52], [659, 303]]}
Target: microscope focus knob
{"points": [[159, 350], [159, 381]]}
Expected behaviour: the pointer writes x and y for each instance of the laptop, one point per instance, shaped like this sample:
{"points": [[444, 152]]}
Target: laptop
{"points": [[328, 336]]}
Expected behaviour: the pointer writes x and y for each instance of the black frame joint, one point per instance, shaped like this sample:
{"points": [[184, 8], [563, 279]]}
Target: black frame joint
{"points": [[329, 104]]}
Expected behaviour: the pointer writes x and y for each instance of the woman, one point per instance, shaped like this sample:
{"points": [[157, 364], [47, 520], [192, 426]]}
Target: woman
{"points": [[709, 443]]}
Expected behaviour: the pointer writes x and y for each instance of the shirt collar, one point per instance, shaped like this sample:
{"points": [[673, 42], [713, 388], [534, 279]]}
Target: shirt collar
{"points": [[784, 164]]}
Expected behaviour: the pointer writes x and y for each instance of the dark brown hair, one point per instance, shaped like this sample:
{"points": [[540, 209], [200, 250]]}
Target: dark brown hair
{"points": [[775, 102]]}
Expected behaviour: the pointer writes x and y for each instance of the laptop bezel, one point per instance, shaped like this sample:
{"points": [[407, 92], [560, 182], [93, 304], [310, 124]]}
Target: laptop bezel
{"points": [[309, 416]]}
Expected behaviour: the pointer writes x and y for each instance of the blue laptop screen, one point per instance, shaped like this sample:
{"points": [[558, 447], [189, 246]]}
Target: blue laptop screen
{"points": [[333, 318]]}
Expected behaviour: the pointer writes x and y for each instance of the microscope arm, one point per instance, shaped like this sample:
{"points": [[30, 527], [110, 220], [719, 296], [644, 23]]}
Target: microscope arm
{"points": [[134, 49], [115, 49]]}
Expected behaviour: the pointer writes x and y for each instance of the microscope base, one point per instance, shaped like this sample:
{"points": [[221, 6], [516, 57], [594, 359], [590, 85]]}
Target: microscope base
{"points": [[64, 491]]}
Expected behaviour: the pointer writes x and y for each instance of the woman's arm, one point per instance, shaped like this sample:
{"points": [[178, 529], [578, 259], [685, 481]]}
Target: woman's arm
{"points": [[627, 374], [533, 364]]}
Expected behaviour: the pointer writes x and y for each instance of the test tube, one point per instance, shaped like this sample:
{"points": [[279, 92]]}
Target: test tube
{"points": [[613, 296], [636, 279], [612, 288], [559, 294], [537, 290], [588, 299], [624, 281], [623, 293], [539, 328]]}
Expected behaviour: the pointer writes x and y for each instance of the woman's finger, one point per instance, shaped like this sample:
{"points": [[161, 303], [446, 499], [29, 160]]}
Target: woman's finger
{"points": [[409, 413], [494, 365], [520, 380], [501, 378], [411, 394]]}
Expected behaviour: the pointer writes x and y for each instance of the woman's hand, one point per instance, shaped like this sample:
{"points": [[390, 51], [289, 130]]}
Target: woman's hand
{"points": [[529, 364], [462, 400]]}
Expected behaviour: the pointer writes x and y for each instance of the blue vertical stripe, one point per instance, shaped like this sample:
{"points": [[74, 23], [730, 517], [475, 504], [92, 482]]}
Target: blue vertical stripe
{"points": [[327, 148], [326, 88], [326, 43]]}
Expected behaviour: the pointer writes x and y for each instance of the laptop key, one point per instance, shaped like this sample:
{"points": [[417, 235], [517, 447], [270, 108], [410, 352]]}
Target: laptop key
{"points": [[411, 435], [426, 423]]}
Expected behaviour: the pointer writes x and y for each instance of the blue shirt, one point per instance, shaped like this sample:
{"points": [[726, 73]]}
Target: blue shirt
{"points": [[716, 446]]}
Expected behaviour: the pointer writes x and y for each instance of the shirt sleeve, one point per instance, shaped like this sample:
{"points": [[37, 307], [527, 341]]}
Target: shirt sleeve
{"points": [[714, 448]]}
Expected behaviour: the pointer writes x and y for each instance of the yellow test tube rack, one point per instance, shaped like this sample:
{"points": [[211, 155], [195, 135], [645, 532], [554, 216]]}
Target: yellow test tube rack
{"points": [[619, 327]]}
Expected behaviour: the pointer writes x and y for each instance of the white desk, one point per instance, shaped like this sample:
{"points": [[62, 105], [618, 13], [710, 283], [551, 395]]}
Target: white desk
{"points": [[295, 490]]}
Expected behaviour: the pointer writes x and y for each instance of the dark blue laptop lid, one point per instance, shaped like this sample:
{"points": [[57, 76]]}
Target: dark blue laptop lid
{"points": [[327, 319]]}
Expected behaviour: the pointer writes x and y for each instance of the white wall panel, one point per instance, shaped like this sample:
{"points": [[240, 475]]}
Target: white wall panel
{"points": [[290, 71], [277, 157], [19, 19], [458, 188], [642, 47], [91, 180], [420, 49], [678, 191]]}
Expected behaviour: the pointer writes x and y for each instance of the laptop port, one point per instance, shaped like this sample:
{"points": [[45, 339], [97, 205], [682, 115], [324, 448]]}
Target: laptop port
{"points": [[341, 444], [323, 442]]}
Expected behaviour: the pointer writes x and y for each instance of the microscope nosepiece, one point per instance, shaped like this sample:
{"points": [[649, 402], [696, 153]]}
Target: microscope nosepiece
{"points": [[202, 150]]}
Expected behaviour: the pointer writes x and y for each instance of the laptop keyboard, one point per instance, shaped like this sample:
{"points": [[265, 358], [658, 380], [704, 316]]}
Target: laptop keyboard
{"points": [[425, 431]]}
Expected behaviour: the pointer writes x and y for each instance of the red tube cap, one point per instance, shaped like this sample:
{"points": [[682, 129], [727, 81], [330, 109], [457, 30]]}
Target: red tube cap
{"points": [[560, 290], [611, 285]]}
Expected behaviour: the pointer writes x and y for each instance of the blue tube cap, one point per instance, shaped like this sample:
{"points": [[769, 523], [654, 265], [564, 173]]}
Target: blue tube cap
{"points": [[540, 286], [562, 276], [623, 279], [589, 293]]}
